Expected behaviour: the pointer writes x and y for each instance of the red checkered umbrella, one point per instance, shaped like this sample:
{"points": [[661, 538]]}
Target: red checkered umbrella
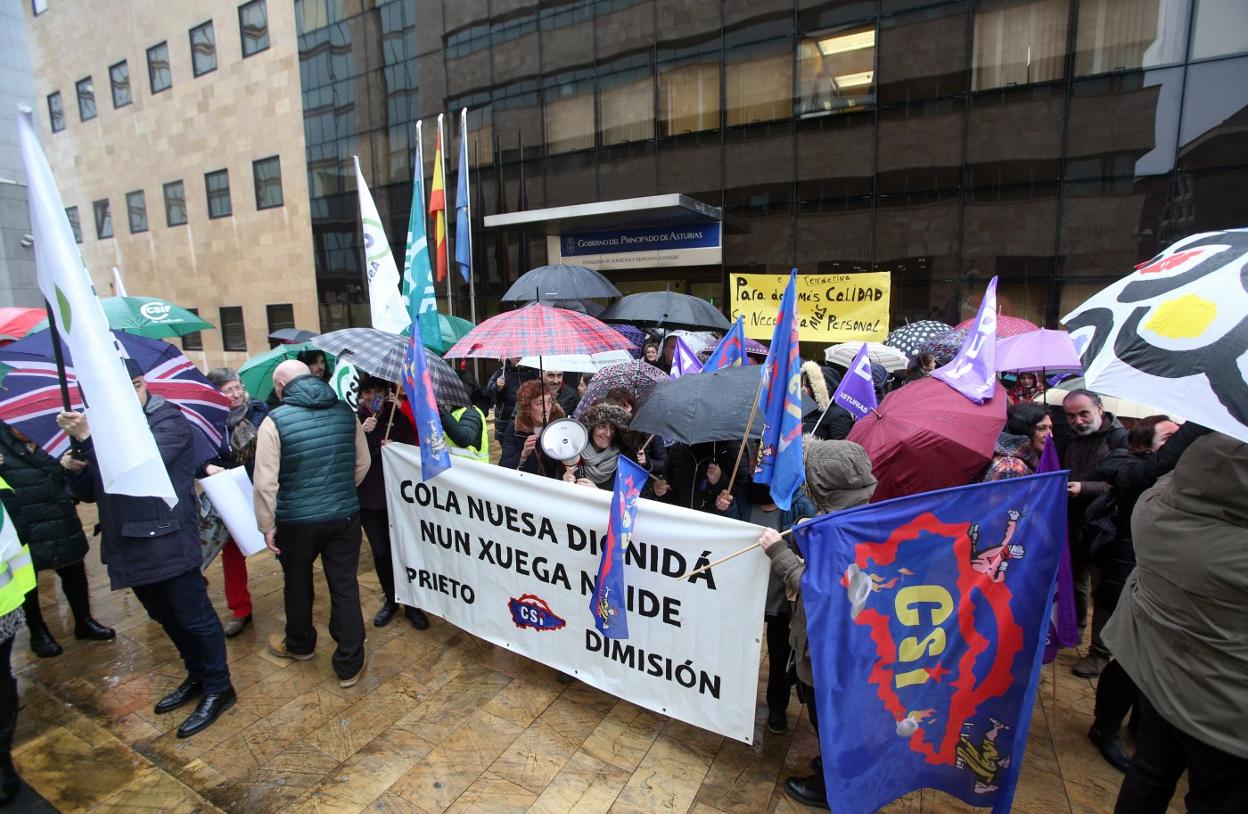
{"points": [[537, 330], [1006, 325]]}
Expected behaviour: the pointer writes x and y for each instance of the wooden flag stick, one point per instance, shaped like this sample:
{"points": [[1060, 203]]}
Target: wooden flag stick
{"points": [[394, 405], [745, 438], [731, 556]]}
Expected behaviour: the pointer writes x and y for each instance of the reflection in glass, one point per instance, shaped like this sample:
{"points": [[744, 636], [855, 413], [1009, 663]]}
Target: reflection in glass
{"points": [[119, 78], [86, 99], [217, 185], [1118, 35], [1215, 113], [268, 178], [74, 224], [253, 26], [1219, 27], [56, 112], [136, 209], [175, 204], [626, 101], [1018, 43], [1124, 125], [759, 82], [689, 96], [203, 49], [158, 72], [103, 219], [836, 71], [569, 111], [233, 334]]}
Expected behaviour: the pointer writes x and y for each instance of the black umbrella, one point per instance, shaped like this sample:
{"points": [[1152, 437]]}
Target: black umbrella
{"points": [[560, 282], [666, 309], [291, 335], [703, 406]]}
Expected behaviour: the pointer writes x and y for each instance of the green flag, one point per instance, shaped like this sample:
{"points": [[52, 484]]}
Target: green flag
{"points": [[417, 273]]}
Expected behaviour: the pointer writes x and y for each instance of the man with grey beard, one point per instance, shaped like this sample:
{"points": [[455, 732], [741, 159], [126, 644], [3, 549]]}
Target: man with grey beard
{"points": [[1094, 433]]}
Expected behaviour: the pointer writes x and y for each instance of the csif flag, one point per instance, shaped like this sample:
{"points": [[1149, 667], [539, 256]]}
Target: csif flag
{"points": [[730, 351], [856, 392], [780, 402], [418, 294], [463, 205], [973, 372], [930, 610], [385, 302], [125, 451], [607, 603], [437, 208], [435, 455]]}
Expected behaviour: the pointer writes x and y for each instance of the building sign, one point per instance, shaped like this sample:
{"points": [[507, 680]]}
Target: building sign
{"points": [[690, 244], [830, 307]]}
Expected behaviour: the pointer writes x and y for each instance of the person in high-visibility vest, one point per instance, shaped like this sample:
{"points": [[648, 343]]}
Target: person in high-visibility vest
{"points": [[465, 432], [17, 577]]}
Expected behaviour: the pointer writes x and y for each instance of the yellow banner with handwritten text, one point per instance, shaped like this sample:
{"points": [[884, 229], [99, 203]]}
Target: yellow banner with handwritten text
{"points": [[830, 307]]}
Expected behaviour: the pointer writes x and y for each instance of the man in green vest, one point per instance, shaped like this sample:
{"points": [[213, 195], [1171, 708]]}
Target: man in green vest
{"points": [[311, 453], [465, 432]]}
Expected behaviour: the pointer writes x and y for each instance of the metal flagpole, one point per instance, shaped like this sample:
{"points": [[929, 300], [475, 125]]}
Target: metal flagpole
{"points": [[472, 278], [446, 225]]}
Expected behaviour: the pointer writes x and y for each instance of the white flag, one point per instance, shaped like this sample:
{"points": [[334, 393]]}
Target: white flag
{"points": [[119, 287], [130, 463], [384, 297]]}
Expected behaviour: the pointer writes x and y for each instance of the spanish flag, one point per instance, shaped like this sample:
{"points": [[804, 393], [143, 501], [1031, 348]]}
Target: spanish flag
{"points": [[437, 208]]}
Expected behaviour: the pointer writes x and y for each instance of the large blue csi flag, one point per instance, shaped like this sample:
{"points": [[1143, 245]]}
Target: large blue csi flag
{"points": [[856, 392], [435, 456], [780, 403], [608, 601], [730, 351], [463, 210], [926, 617]]}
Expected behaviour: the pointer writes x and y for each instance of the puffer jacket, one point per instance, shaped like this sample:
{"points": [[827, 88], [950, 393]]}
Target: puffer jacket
{"points": [[143, 540], [40, 504], [316, 481], [1179, 628]]}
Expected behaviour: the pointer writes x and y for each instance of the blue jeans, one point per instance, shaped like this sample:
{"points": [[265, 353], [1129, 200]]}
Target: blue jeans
{"points": [[182, 608]]}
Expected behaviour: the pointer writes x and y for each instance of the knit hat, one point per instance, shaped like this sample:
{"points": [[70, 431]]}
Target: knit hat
{"points": [[838, 474], [132, 369]]}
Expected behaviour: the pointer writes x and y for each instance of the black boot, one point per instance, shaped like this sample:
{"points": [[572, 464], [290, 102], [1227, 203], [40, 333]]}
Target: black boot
{"points": [[90, 629], [417, 617], [810, 790], [1109, 743], [385, 614], [41, 641], [10, 782]]}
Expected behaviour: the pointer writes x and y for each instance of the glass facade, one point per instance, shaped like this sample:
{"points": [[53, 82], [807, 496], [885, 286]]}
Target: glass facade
{"points": [[1052, 143]]}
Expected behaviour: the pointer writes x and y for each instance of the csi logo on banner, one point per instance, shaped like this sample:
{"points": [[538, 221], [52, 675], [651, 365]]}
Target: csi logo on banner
{"points": [[690, 244]]}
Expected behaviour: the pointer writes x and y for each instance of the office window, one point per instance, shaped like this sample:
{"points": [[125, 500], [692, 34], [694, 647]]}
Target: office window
{"points": [[569, 111], [1219, 27], [267, 173], [689, 96], [119, 78], [56, 112], [280, 316], [217, 185], [836, 71], [158, 71], [136, 208], [233, 335], [203, 49], [86, 99], [74, 224], [1018, 43], [1119, 35], [193, 341], [103, 219], [175, 204], [253, 27]]}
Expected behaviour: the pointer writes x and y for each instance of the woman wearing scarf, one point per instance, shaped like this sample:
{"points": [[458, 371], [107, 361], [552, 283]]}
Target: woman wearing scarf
{"points": [[608, 439], [239, 449], [535, 408]]}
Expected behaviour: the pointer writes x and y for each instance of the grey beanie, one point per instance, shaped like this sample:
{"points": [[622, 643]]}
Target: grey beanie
{"points": [[838, 474]]}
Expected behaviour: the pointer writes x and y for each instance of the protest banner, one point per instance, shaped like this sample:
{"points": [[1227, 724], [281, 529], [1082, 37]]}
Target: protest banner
{"points": [[830, 307], [231, 495], [512, 557]]}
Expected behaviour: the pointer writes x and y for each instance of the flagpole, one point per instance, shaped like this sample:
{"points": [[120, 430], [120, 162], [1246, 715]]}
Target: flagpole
{"points": [[59, 355], [446, 239], [472, 278], [746, 436], [732, 556]]}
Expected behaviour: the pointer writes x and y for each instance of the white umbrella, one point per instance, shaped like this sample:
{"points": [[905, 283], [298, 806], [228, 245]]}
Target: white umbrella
{"points": [[888, 358], [577, 362], [1122, 408]]}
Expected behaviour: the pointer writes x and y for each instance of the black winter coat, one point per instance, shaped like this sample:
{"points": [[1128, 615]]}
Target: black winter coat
{"points": [[40, 504], [143, 541], [372, 490]]}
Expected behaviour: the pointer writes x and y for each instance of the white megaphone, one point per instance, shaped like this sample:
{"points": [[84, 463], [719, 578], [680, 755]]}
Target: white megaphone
{"points": [[564, 439]]}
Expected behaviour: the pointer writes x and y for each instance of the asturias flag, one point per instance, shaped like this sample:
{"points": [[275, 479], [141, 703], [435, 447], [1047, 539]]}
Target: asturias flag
{"points": [[684, 360], [437, 208], [973, 372], [927, 616], [731, 349], [463, 208], [607, 603], [856, 392], [435, 456], [780, 404]]}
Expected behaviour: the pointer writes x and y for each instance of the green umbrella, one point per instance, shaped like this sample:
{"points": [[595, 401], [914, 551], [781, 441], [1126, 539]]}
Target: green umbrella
{"points": [[450, 330], [256, 373], [148, 316]]}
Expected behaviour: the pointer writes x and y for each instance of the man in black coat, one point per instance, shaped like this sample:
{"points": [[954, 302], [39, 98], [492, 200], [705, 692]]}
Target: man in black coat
{"points": [[154, 550], [501, 389]]}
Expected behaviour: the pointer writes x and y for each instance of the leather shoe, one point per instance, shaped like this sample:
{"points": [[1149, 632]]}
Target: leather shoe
{"points": [[235, 624], [417, 617], [351, 681], [777, 722], [42, 643], [277, 646], [1109, 744], [209, 710], [90, 629], [808, 791], [385, 614], [188, 690]]}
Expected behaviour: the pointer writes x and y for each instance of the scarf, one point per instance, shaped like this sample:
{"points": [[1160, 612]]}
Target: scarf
{"points": [[599, 464], [242, 432]]}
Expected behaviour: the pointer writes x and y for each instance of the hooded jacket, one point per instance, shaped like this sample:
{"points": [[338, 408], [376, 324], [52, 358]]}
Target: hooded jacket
{"points": [[1179, 628], [836, 425], [627, 442], [39, 502], [838, 476]]}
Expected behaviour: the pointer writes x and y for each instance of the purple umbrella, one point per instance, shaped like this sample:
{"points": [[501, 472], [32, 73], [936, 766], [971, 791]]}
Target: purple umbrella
{"points": [[635, 335], [1038, 350]]}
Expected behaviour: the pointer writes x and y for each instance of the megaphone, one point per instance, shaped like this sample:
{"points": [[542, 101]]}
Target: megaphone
{"points": [[564, 439]]}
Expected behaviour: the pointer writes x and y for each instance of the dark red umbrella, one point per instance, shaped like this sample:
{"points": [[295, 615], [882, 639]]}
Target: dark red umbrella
{"points": [[537, 330], [929, 436]]}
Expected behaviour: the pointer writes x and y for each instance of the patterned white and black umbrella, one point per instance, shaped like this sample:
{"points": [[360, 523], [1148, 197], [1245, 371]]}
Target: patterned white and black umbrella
{"points": [[907, 338], [380, 354]]}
